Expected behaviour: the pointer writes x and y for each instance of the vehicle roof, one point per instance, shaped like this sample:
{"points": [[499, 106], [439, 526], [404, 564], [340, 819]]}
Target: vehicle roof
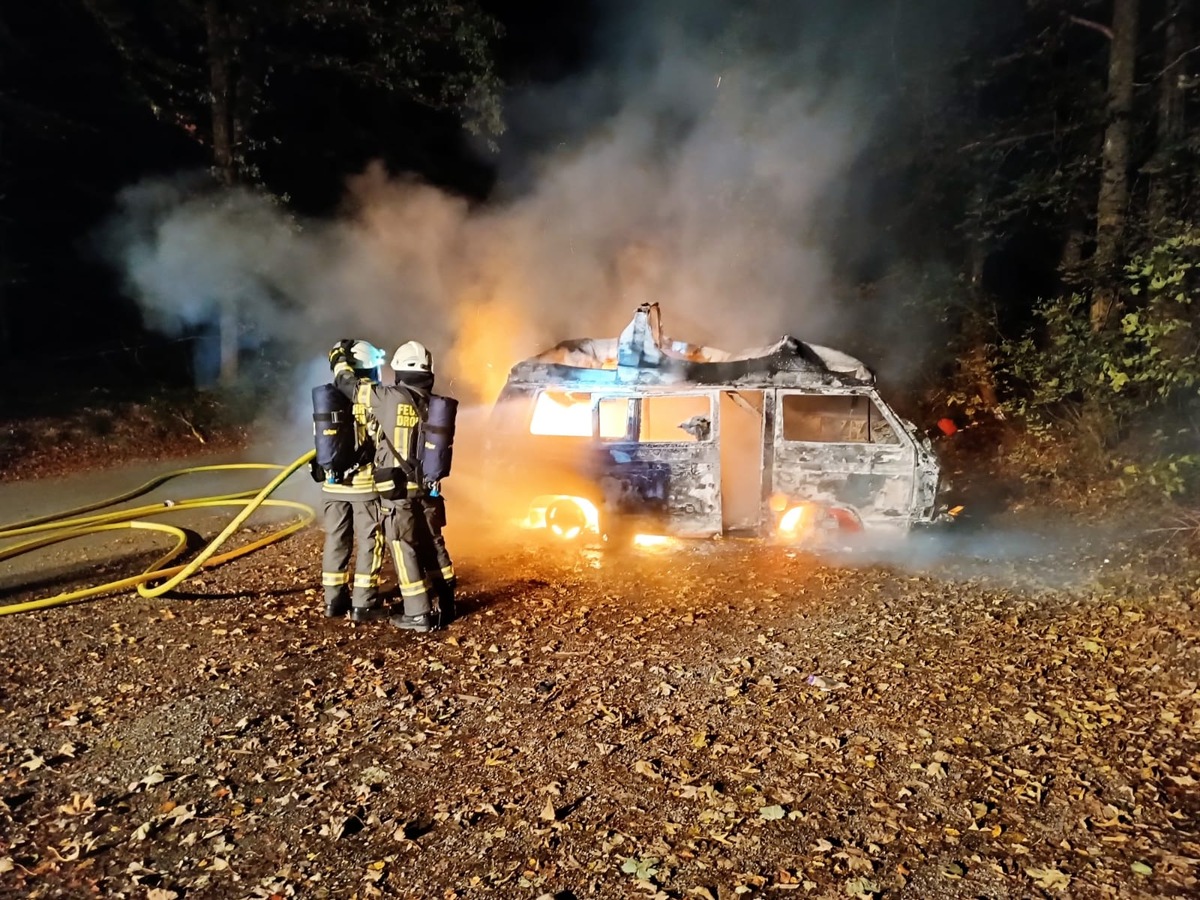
{"points": [[752, 373], [643, 357]]}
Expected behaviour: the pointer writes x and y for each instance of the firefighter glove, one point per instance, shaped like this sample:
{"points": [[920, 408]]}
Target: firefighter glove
{"points": [[342, 349], [317, 473]]}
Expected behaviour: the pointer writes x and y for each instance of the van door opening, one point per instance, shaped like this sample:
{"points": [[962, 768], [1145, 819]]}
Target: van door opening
{"points": [[741, 429], [661, 474]]}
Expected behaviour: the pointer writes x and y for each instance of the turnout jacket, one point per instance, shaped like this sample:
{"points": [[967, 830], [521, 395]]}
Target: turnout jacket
{"points": [[397, 411]]}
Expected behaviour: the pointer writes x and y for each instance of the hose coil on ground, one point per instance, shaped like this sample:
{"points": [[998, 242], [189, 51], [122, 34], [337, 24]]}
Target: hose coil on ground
{"points": [[77, 522]]}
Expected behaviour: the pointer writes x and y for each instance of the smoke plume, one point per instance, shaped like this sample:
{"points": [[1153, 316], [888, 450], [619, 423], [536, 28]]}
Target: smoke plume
{"points": [[697, 163]]}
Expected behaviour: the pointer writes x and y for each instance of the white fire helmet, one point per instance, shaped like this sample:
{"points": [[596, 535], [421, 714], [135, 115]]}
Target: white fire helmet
{"points": [[412, 357], [366, 356]]}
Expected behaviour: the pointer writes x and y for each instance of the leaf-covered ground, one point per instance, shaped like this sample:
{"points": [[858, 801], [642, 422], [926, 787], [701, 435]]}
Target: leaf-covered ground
{"points": [[45, 435], [729, 720]]}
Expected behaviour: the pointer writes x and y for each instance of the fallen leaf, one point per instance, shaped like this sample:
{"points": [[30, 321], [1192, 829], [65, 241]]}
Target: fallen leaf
{"points": [[643, 767], [862, 888], [34, 762], [1050, 879]]}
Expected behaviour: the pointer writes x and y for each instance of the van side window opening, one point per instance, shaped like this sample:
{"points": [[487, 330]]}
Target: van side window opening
{"points": [[674, 419], [613, 418], [835, 419], [562, 413]]}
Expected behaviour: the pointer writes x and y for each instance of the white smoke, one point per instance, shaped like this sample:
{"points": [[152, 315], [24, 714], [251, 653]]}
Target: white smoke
{"points": [[702, 158]]}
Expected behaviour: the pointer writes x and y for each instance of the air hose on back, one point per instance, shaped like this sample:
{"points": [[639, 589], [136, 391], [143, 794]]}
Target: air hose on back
{"points": [[76, 523]]}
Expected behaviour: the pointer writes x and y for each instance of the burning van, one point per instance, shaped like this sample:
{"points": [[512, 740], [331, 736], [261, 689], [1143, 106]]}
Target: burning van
{"points": [[650, 438]]}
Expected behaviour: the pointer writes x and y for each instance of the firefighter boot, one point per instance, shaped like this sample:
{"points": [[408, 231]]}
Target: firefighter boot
{"points": [[447, 612], [367, 613], [336, 605], [422, 622]]}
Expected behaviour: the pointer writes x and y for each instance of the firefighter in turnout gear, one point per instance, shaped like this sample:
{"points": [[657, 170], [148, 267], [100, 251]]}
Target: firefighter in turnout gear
{"points": [[351, 514], [397, 411], [414, 369]]}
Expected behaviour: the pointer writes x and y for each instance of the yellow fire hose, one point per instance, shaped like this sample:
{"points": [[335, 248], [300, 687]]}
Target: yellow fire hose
{"points": [[74, 523]]}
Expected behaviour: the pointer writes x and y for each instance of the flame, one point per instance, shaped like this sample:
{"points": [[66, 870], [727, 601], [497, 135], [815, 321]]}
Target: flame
{"points": [[806, 518], [560, 413], [796, 520], [574, 515], [489, 336], [654, 541], [568, 414]]}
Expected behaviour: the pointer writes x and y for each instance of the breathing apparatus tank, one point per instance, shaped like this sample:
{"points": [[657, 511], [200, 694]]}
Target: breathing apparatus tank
{"points": [[333, 432], [437, 448]]}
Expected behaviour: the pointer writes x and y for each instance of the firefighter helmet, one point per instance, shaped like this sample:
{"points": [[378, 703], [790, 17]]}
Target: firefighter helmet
{"points": [[412, 357], [366, 357]]}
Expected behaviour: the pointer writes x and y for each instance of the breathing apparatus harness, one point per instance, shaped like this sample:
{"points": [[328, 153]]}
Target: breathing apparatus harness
{"points": [[434, 438]]}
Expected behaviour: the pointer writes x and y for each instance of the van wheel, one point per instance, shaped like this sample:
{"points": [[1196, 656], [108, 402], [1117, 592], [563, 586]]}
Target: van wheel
{"points": [[566, 521]]}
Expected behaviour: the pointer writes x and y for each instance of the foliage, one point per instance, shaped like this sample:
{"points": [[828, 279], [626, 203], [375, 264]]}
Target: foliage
{"points": [[1172, 475], [1066, 376], [434, 53], [643, 869]]}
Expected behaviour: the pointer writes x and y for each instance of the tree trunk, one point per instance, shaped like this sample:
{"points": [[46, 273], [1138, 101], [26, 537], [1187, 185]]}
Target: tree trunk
{"points": [[1112, 206], [1169, 134], [1072, 260], [5, 263], [5, 336], [220, 73], [977, 361], [220, 82]]}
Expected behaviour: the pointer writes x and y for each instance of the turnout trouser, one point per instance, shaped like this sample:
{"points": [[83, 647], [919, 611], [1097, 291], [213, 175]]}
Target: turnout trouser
{"points": [[349, 524], [435, 558], [403, 526]]}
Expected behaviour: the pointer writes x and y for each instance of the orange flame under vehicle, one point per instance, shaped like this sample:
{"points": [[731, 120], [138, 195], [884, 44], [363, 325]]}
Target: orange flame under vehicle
{"points": [[658, 439]]}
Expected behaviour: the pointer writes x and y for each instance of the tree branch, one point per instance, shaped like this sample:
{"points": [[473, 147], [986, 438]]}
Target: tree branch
{"points": [[1176, 61], [1095, 26], [994, 141]]}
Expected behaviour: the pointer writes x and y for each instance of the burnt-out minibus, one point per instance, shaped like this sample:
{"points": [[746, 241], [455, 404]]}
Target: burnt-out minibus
{"points": [[654, 439]]}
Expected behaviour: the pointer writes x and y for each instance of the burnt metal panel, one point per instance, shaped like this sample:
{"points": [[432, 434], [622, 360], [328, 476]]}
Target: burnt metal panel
{"points": [[768, 467], [667, 497], [875, 480], [793, 363]]}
